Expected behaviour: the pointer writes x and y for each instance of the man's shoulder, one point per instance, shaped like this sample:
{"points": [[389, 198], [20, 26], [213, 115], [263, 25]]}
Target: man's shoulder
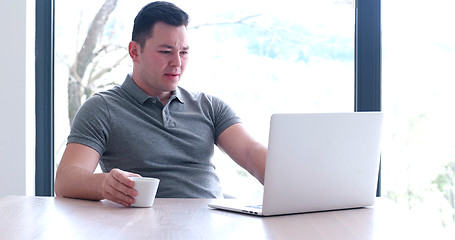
{"points": [[115, 92], [195, 96], [103, 100]]}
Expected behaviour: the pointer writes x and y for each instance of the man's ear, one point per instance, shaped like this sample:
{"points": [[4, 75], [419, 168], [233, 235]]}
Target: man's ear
{"points": [[134, 48]]}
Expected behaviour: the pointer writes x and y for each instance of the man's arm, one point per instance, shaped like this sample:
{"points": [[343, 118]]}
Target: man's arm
{"points": [[244, 150], [75, 178]]}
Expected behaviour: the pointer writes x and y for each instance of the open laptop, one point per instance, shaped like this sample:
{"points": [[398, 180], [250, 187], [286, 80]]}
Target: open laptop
{"points": [[317, 162]]}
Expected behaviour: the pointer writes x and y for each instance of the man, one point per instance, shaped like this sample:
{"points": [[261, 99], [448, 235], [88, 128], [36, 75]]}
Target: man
{"points": [[149, 126]]}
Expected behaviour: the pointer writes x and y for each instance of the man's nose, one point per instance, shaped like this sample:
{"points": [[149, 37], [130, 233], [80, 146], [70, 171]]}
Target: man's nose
{"points": [[176, 60]]}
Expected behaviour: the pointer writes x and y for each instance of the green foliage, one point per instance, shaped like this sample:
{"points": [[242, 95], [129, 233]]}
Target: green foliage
{"points": [[445, 183]]}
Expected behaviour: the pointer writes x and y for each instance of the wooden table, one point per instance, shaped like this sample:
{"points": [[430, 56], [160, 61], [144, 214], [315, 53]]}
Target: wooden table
{"points": [[62, 218]]}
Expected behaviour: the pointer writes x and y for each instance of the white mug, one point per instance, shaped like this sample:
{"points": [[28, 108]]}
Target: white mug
{"points": [[146, 190]]}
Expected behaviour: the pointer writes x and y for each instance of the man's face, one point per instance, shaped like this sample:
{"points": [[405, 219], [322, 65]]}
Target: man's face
{"points": [[160, 63]]}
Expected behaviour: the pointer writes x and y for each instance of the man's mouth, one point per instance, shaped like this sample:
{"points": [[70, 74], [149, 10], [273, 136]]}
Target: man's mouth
{"points": [[172, 74]]}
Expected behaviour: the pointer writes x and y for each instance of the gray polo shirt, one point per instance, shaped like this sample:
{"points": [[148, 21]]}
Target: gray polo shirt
{"points": [[175, 143]]}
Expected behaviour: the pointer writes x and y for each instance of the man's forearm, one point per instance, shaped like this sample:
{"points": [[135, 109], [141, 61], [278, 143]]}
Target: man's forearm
{"points": [[256, 161], [75, 182]]}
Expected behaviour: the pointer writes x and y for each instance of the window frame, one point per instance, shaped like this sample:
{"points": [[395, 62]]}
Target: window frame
{"points": [[44, 98], [367, 90], [368, 60]]}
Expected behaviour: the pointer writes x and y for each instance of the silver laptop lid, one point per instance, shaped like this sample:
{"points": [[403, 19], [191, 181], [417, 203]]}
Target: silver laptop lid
{"points": [[321, 161]]}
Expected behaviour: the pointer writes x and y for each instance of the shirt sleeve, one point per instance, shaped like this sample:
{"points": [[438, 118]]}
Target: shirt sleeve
{"points": [[224, 116], [91, 124]]}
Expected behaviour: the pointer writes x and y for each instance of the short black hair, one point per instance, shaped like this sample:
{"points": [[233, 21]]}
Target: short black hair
{"points": [[154, 12]]}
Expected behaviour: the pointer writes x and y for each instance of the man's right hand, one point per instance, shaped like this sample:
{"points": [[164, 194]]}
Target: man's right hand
{"points": [[75, 178], [117, 187]]}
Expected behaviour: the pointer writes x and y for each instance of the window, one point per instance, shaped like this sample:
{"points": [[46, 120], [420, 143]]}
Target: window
{"points": [[259, 58], [418, 157]]}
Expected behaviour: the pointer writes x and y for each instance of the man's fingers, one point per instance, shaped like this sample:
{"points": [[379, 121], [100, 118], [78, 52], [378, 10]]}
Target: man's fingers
{"points": [[115, 194], [122, 177], [117, 187], [126, 203], [122, 188]]}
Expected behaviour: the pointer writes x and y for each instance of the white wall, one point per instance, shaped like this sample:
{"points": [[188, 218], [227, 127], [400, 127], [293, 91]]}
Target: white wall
{"points": [[17, 93]]}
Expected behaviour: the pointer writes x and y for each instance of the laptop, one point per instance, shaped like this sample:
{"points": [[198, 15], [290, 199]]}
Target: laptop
{"points": [[317, 162]]}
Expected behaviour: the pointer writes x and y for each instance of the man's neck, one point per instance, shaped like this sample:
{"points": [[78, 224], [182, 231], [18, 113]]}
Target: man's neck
{"points": [[163, 96]]}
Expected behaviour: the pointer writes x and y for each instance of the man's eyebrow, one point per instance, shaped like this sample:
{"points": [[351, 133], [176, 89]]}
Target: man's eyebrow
{"points": [[172, 47]]}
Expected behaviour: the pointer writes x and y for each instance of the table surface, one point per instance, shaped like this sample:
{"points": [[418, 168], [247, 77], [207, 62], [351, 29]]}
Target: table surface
{"points": [[62, 218]]}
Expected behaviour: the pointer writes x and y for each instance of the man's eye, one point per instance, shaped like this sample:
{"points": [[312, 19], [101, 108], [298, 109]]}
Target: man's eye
{"points": [[184, 52], [165, 52]]}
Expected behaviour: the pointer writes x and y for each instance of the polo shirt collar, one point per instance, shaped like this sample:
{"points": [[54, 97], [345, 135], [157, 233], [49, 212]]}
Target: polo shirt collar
{"points": [[178, 95], [140, 96]]}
